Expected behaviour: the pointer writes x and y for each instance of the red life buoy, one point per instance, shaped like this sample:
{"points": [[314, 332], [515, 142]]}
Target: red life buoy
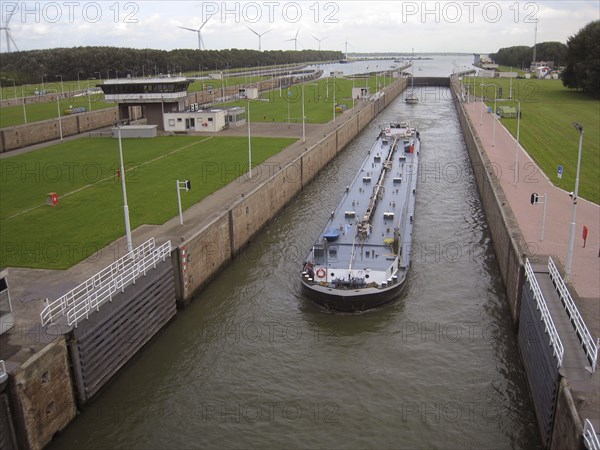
{"points": [[320, 272]]}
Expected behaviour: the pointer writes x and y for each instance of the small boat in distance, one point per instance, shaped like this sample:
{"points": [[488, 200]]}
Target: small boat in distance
{"points": [[361, 258]]}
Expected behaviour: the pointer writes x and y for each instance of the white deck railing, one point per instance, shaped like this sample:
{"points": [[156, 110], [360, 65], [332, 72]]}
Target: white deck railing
{"points": [[545, 314], [89, 295], [587, 341], [590, 438]]}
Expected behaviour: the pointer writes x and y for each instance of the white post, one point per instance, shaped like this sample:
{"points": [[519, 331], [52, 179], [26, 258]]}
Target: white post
{"points": [[179, 204], [249, 145], [125, 207], [544, 216], [303, 117], [59, 119], [494, 118], [334, 99], [516, 180], [579, 128], [24, 112], [482, 105]]}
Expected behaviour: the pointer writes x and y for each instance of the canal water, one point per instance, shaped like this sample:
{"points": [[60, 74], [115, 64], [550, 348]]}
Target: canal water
{"points": [[253, 363]]}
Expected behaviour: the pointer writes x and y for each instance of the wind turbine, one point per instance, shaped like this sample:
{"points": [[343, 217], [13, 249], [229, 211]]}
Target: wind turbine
{"points": [[259, 36], [320, 40], [200, 41], [6, 29], [295, 39]]}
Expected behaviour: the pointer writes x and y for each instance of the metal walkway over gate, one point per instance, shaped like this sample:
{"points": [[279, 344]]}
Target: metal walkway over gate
{"points": [[573, 348]]}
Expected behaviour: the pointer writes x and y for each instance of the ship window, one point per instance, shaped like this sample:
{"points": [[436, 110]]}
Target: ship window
{"points": [[333, 251], [367, 276]]}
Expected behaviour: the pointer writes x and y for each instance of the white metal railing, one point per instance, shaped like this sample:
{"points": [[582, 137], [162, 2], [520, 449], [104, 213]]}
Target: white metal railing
{"points": [[590, 438], [2, 368], [89, 295], [545, 314], [587, 341]]}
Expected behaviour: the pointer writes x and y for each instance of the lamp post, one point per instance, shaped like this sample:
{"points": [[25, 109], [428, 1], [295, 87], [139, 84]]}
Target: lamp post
{"points": [[249, 144], [334, 98], [99, 75], [59, 116], [569, 262], [43, 75], [494, 118], [78, 83], [62, 85], [88, 95], [23, 98], [303, 116], [125, 207], [14, 87], [482, 105], [516, 180]]}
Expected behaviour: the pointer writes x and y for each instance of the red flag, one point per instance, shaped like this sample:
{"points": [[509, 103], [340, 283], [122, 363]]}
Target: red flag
{"points": [[585, 234]]}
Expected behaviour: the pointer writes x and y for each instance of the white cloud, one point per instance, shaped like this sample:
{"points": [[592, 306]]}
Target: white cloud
{"points": [[369, 26]]}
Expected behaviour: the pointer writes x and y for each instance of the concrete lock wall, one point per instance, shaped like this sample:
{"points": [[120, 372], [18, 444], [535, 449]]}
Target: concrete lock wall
{"points": [[510, 249], [507, 240], [200, 258], [48, 130], [42, 396]]}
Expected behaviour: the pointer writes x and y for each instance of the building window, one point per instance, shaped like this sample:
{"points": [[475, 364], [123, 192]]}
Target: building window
{"points": [[192, 122], [179, 119], [171, 122], [210, 119]]}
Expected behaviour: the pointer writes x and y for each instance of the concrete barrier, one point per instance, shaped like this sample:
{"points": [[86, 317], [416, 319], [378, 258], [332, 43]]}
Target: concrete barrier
{"points": [[34, 133], [42, 397]]}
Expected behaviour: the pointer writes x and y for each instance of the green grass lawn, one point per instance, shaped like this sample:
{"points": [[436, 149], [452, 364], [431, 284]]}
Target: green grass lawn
{"points": [[13, 115], [548, 110], [318, 100], [89, 215]]}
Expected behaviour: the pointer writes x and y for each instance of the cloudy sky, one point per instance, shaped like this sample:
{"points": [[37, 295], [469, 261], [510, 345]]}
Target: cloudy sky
{"points": [[367, 26]]}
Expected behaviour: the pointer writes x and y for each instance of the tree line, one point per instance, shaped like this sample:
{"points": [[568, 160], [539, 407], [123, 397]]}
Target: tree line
{"points": [[28, 67], [521, 56]]}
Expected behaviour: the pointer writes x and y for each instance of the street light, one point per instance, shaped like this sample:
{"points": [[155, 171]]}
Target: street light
{"points": [[333, 98], [579, 128], [14, 87], [78, 83], [58, 111], [303, 116], [249, 144], [125, 207], [99, 75], [516, 180], [494, 118], [62, 85], [43, 75]]}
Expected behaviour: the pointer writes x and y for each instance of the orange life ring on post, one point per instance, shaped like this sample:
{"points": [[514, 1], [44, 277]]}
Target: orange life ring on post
{"points": [[387, 131], [321, 272]]}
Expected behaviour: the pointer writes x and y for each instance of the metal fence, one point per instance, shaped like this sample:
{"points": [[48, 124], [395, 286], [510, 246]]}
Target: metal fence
{"points": [[89, 295], [590, 438], [545, 314], [587, 341]]}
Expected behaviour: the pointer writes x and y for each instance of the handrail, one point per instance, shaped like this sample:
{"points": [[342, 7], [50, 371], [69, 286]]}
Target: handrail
{"points": [[590, 438], [545, 314], [110, 279], [587, 341]]}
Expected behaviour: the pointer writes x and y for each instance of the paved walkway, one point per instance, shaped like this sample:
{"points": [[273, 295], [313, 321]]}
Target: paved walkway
{"points": [[501, 153]]}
